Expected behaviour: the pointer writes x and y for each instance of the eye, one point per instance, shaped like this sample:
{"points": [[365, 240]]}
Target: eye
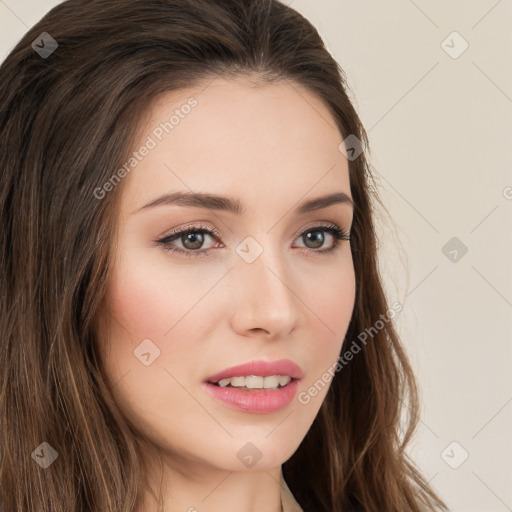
{"points": [[315, 238], [192, 239]]}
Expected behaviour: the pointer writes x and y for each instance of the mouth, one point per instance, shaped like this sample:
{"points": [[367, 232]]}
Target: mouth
{"points": [[251, 374], [256, 387]]}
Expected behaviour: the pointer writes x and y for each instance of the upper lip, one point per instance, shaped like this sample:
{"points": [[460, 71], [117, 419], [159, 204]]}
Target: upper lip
{"points": [[260, 368]]}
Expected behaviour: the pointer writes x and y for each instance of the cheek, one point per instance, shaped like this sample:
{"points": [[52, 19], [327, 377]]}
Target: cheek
{"points": [[148, 306], [148, 299], [139, 310], [140, 299], [331, 296], [331, 306]]}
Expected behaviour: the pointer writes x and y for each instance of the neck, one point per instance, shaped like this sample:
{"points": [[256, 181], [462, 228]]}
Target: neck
{"points": [[194, 487]]}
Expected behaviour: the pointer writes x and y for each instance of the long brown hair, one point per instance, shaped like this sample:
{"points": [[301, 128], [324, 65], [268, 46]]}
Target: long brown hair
{"points": [[68, 119]]}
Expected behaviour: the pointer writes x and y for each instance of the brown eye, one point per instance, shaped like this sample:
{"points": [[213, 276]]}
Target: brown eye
{"points": [[192, 240]]}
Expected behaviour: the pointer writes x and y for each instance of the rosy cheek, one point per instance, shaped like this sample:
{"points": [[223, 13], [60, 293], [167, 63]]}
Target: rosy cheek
{"points": [[140, 299], [139, 310], [151, 299]]}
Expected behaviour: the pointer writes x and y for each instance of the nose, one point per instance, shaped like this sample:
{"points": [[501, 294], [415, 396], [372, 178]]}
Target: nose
{"points": [[265, 299]]}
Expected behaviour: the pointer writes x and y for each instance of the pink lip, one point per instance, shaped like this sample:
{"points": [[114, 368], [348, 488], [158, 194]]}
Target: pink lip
{"points": [[257, 401], [260, 368]]}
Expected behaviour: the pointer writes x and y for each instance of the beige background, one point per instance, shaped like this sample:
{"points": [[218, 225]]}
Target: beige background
{"points": [[440, 131]]}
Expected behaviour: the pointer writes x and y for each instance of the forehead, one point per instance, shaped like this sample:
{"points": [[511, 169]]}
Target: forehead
{"points": [[256, 141]]}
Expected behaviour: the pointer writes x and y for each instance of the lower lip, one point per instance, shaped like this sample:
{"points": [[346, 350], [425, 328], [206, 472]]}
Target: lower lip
{"points": [[257, 401]]}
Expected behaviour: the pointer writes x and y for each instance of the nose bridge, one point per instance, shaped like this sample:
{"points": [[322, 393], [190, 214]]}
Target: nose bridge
{"points": [[265, 297]]}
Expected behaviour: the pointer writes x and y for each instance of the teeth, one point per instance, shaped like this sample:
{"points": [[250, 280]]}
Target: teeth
{"points": [[283, 380], [237, 381], [256, 382], [253, 382]]}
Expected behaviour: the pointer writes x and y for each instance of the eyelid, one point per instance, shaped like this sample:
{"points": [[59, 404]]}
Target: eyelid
{"points": [[198, 227], [190, 227], [318, 226]]}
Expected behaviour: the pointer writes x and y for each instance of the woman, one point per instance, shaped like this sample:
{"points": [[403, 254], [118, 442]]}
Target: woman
{"points": [[192, 315]]}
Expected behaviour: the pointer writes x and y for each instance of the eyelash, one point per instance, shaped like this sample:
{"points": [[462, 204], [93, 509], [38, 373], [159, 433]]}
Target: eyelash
{"points": [[334, 230]]}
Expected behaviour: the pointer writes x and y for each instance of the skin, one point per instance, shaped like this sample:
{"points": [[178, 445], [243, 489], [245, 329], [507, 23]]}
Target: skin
{"points": [[271, 146]]}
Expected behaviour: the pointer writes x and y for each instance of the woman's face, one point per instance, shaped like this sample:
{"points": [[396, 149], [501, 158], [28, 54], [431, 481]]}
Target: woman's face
{"points": [[258, 289]]}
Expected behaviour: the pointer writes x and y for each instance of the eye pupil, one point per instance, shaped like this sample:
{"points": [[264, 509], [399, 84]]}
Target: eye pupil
{"points": [[319, 238]]}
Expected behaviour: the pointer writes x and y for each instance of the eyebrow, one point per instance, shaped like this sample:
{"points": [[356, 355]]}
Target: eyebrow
{"points": [[215, 202]]}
